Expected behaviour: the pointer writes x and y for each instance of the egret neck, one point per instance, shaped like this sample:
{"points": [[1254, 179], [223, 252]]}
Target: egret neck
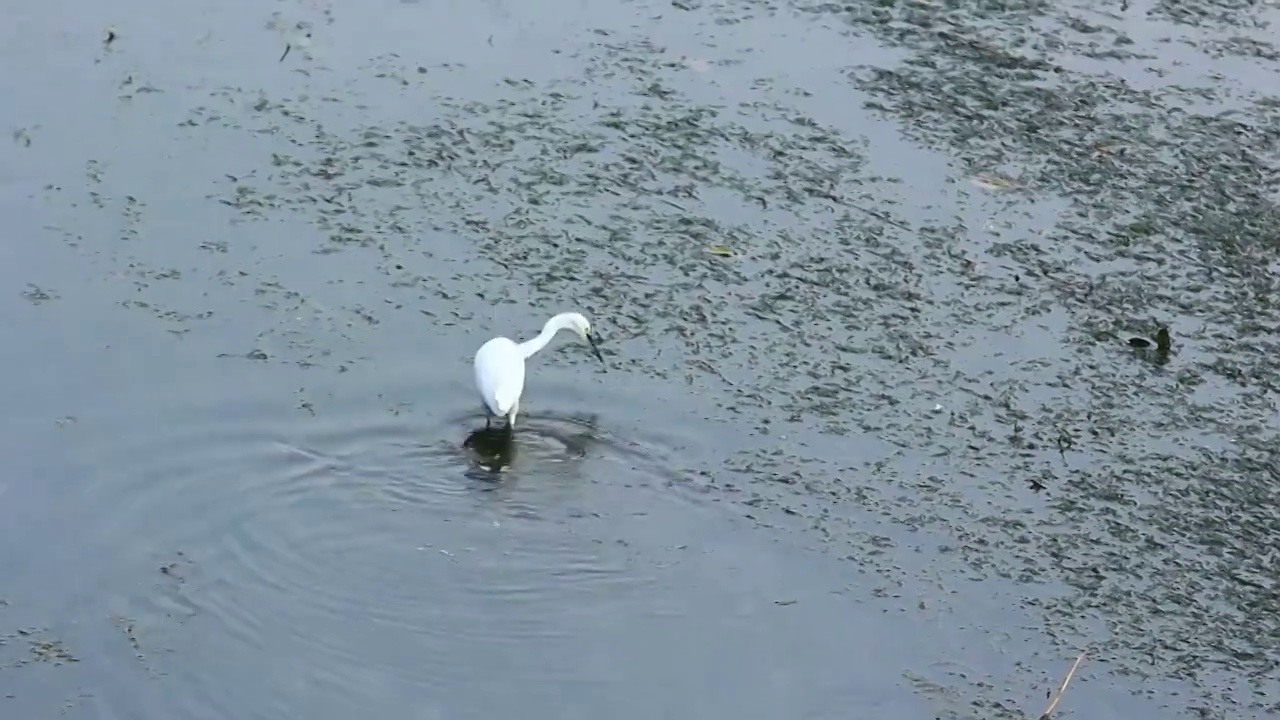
{"points": [[563, 321]]}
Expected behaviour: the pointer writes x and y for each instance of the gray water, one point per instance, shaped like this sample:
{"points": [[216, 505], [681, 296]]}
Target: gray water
{"points": [[875, 437]]}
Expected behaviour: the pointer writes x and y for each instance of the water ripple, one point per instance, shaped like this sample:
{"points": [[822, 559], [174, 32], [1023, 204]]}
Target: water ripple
{"points": [[373, 542]]}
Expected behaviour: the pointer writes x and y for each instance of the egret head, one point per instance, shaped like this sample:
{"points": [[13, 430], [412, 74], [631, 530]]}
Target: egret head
{"points": [[582, 326]]}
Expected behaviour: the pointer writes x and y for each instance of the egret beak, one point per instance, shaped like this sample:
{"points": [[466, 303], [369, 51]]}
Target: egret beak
{"points": [[591, 340]]}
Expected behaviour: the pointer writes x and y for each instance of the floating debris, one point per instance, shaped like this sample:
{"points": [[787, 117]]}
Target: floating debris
{"points": [[1057, 697], [52, 651], [993, 182], [37, 295]]}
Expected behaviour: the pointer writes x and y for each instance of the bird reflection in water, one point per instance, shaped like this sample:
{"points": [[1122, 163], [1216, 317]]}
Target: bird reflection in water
{"points": [[493, 449], [551, 439]]}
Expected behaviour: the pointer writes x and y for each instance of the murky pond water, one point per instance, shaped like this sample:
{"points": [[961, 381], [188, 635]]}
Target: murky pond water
{"points": [[889, 426]]}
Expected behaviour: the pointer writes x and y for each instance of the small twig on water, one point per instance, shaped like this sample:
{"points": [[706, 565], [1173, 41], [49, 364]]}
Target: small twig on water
{"points": [[878, 215], [1053, 703]]}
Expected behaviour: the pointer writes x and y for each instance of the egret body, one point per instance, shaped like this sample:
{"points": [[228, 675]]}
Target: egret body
{"points": [[500, 364]]}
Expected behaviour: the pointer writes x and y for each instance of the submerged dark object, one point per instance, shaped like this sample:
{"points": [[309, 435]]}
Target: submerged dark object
{"points": [[1163, 344]]}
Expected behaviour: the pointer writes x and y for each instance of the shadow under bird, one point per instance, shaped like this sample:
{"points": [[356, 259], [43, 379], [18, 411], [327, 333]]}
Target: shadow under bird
{"points": [[499, 365]]}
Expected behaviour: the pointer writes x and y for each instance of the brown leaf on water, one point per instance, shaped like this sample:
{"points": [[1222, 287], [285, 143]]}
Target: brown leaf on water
{"points": [[993, 182]]}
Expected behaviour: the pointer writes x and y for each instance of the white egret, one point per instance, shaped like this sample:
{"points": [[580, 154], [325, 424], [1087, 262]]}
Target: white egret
{"points": [[500, 364]]}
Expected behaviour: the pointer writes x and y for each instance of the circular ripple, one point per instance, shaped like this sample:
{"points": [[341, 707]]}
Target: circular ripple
{"points": [[367, 546]]}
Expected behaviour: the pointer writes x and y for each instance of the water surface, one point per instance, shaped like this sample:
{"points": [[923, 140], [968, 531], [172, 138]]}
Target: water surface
{"points": [[873, 438]]}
